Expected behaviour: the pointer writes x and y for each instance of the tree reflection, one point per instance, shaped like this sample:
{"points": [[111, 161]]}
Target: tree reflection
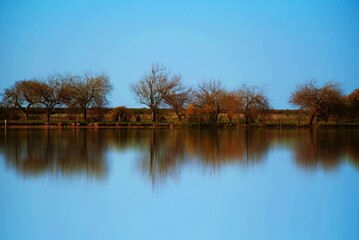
{"points": [[163, 153], [166, 151], [327, 148], [67, 152]]}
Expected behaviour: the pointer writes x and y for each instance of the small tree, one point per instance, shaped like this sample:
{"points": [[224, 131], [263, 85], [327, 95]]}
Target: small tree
{"points": [[231, 103], [120, 114], [50, 92], [353, 104], [178, 99], [253, 101], [318, 101], [91, 90], [193, 113], [153, 87], [208, 97], [23, 95]]}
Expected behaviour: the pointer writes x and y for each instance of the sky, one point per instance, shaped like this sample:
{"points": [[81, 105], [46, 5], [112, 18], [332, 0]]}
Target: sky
{"points": [[271, 44]]}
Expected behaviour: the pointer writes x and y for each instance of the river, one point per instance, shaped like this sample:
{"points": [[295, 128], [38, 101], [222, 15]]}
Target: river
{"points": [[179, 184]]}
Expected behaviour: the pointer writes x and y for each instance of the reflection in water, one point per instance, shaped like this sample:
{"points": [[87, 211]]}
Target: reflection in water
{"points": [[327, 148], [166, 152], [163, 153], [56, 151]]}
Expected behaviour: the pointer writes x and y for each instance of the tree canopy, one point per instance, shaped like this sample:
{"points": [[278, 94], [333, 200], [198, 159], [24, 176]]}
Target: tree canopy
{"points": [[152, 89], [318, 101], [86, 91], [82, 92], [23, 95]]}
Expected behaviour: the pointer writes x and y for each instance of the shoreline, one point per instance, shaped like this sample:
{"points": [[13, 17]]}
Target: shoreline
{"points": [[149, 125]]}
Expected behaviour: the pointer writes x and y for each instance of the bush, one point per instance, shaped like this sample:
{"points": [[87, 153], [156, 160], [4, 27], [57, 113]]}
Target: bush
{"points": [[120, 114]]}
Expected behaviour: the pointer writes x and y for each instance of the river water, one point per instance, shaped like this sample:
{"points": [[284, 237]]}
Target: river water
{"points": [[179, 184]]}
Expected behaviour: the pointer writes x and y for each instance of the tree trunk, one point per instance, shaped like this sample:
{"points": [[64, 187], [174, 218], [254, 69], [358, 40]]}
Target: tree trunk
{"points": [[25, 112], [26, 115], [213, 117], [85, 114], [229, 117], [48, 115], [247, 119], [179, 115], [311, 119], [154, 115]]}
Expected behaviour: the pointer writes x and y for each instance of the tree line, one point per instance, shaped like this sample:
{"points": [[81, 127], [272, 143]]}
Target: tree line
{"points": [[73, 91], [158, 89]]}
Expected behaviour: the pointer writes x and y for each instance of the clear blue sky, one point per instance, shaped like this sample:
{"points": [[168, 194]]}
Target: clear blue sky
{"points": [[276, 44]]}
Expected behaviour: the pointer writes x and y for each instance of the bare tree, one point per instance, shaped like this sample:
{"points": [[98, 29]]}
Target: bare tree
{"points": [[91, 90], [353, 104], [208, 97], [231, 103], [253, 101], [178, 99], [334, 106], [194, 113], [23, 95], [50, 92], [318, 101], [153, 87]]}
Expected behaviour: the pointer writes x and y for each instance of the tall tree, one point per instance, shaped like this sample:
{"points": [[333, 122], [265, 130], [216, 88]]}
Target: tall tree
{"points": [[153, 87], [23, 95], [253, 101], [91, 90], [318, 101]]}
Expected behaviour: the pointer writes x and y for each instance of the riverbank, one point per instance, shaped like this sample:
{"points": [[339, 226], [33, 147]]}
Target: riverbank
{"points": [[104, 124], [141, 118]]}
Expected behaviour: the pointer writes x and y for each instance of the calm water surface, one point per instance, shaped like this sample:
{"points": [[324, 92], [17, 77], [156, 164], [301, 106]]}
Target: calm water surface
{"points": [[179, 184]]}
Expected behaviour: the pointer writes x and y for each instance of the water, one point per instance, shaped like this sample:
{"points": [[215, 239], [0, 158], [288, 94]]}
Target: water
{"points": [[179, 184]]}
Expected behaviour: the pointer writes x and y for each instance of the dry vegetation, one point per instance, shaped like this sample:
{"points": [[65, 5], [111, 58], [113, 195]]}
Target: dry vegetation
{"points": [[82, 100]]}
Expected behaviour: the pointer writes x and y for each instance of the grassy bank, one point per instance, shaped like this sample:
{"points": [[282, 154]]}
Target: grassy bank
{"points": [[141, 118], [111, 124]]}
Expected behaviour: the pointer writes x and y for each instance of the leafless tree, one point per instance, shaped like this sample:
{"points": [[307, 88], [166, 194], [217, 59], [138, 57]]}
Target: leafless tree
{"points": [[318, 101], [50, 92], [231, 103], [91, 90], [153, 87], [334, 106], [353, 103], [208, 97], [253, 101], [23, 95], [178, 99]]}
